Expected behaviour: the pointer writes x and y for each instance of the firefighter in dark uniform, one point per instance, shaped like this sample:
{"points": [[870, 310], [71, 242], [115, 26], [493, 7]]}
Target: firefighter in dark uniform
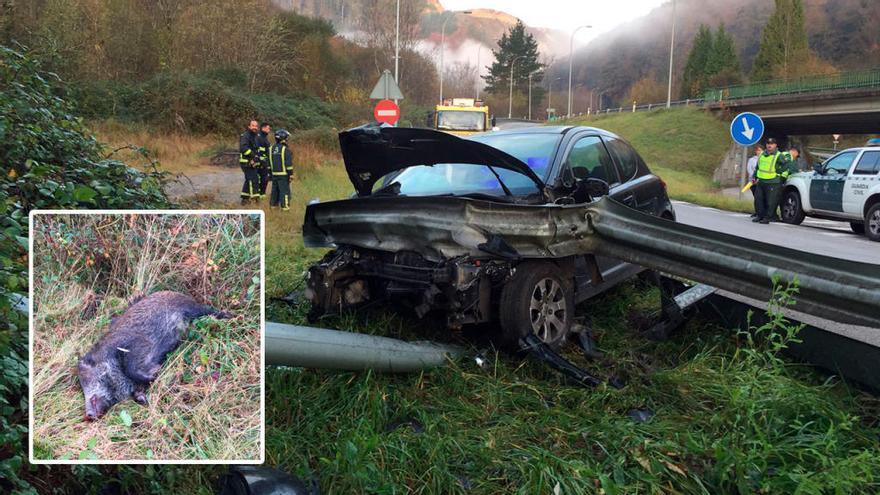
{"points": [[281, 167], [248, 158], [263, 149], [770, 174]]}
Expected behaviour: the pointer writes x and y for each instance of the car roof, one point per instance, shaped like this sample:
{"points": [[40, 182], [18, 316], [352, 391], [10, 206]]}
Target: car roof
{"points": [[552, 129], [859, 148]]}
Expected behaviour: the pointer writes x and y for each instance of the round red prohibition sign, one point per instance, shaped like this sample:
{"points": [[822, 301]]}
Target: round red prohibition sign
{"points": [[387, 111]]}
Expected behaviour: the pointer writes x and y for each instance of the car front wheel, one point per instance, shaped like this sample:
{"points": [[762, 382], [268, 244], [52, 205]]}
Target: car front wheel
{"points": [[792, 211], [872, 223], [540, 299]]}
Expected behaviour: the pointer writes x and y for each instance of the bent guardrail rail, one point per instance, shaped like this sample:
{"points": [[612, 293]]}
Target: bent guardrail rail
{"points": [[840, 290]]}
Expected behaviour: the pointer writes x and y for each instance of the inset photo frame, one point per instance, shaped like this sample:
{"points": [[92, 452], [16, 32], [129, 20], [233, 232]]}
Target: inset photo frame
{"points": [[146, 337]]}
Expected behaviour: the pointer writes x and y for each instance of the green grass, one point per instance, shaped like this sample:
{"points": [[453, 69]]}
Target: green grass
{"points": [[204, 405], [682, 145]]}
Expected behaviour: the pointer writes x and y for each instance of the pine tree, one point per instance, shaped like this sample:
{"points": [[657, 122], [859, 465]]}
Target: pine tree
{"points": [[722, 67], [783, 51], [693, 79], [519, 47]]}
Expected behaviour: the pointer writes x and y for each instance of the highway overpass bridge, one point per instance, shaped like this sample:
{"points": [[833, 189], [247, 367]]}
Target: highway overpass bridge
{"points": [[843, 103]]}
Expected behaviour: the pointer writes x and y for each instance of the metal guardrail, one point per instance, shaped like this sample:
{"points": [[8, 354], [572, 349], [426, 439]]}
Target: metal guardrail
{"points": [[841, 80], [646, 107], [840, 290]]}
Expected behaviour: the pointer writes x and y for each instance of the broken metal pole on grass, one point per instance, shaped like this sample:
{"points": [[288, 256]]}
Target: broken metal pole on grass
{"points": [[309, 347]]}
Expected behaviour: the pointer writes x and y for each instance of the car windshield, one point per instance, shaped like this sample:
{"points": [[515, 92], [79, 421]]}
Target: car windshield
{"points": [[459, 120], [536, 150]]}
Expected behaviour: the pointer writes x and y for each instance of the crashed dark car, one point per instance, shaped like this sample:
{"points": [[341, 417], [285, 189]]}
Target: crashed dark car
{"points": [[461, 227]]}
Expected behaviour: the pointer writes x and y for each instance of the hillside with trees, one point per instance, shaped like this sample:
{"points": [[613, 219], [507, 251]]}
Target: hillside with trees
{"points": [[841, 34], [181, 66]]}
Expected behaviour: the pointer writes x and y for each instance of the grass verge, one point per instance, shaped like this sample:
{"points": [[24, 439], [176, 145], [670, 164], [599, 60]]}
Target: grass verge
{"points": [[205, 402]]}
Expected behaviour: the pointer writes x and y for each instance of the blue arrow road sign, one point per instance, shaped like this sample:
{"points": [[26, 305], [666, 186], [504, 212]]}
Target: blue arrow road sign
{"points": [[747, 128]]}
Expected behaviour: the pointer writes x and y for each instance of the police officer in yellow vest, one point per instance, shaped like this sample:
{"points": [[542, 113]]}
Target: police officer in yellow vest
{"points": [[281, 168], [772, 164]]}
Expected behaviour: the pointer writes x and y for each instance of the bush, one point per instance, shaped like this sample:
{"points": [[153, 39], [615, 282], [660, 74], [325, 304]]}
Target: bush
{"points": [[49, 161], [213, 102], [322, 138]]}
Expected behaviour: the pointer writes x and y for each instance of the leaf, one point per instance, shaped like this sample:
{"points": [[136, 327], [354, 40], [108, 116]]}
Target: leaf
{"points": [[87, 455], [675, 468], [92, 443], [125, 417], [84, 194]]}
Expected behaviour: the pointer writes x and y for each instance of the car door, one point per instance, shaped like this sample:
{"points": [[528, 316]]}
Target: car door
{"points": [[635, 191], [865, 174], [586, 157], [826, 186]]}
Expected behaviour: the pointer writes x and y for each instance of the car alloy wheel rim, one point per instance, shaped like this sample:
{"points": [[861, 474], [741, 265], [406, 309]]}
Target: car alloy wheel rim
{"points": [[874, 223], [788, 209], [547, 310]]}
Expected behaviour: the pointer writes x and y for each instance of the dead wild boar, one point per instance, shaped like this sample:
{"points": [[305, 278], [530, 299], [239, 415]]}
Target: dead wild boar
{"points": [[128, 357]]}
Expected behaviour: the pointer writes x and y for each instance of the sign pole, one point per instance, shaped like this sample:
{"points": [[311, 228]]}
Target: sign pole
{"points": [[744, 171]]}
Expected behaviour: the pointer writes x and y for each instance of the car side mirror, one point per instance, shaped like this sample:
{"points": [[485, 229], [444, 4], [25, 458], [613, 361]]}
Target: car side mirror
{"points": [[596, 188], [819, 168]]}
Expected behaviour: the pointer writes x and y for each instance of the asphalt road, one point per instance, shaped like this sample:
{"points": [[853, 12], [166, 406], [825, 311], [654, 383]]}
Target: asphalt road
{"points": [[825, 237]]}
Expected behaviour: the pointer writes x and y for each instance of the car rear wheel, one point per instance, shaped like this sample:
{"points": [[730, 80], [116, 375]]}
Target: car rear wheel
{"points": [[872, 223], [792, 210], [857, 227], [540, 299]]}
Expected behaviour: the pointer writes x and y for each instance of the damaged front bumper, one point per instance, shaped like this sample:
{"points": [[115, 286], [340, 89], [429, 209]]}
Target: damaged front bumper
{"points": [[460, 287]]}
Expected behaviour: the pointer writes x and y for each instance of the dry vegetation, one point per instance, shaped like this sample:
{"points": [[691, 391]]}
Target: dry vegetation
{"points": [[205, 404]]}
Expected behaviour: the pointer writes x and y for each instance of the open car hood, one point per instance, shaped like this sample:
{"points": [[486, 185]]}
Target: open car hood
{"points": [[371, 151]]}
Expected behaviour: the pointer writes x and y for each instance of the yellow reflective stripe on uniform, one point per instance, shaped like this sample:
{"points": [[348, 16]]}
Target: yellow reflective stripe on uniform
{"points": [[283, 170], [248, 152]]}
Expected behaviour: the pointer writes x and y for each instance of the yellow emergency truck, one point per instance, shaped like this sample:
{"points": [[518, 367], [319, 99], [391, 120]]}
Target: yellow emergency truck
{"points": [[461, 116]]}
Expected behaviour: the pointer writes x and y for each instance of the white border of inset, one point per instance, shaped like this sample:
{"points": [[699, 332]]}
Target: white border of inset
{"points": [[262, 217]]}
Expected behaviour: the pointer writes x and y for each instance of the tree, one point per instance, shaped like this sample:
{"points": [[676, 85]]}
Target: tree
{"points": [[722, 67], [460, 79], [693, 79], [783, 51], [647, 90], [518, 47], [712, 62]]}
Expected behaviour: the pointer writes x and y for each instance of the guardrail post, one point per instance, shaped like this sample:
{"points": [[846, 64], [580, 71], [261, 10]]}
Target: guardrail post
{"points": [[619, 109], [634, 106], [649, 106], [687, 102]]}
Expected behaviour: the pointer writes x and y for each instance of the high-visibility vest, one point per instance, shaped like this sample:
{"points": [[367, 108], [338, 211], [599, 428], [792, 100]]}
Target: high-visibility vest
{"points": [[277, 163], [785, 173], [767, 166]]}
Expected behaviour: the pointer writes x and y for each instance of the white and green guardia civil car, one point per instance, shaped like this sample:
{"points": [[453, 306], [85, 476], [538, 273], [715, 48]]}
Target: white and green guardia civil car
{"points": [[844, 187]]}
